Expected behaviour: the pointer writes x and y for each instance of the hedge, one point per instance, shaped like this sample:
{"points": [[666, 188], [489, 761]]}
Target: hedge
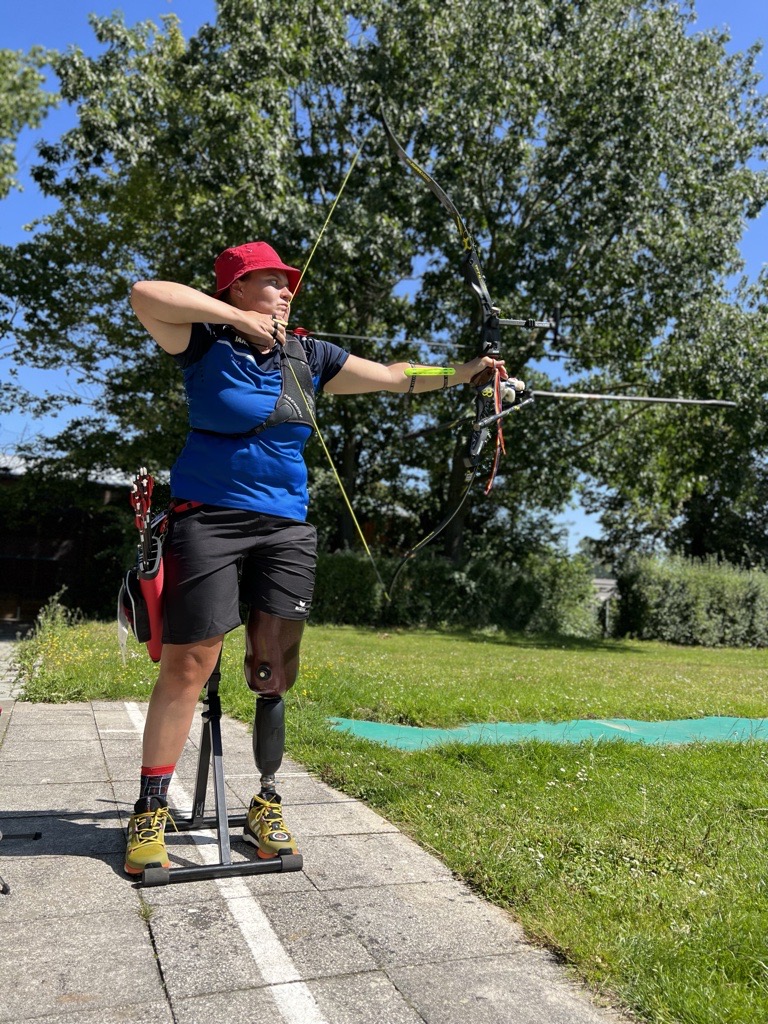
{"points": [[686, 601], [549, 592]]}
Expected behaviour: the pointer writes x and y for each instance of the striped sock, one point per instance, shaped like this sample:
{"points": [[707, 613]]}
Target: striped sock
{"points": [[155, 781]]}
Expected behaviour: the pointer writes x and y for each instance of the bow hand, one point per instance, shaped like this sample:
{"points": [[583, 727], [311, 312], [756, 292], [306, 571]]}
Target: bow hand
{"points": [[484, 368]]}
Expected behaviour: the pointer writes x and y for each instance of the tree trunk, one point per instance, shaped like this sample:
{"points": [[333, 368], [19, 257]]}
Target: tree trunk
{"points": [[453, 537]]}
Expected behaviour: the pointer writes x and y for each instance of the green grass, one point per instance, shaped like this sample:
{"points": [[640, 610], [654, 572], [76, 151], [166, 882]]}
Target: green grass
{"points": [[645, 868]]}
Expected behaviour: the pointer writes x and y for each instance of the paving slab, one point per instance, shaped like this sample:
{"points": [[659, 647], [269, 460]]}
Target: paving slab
{"points": [[433, 922], [21, 749], [49, 771], [44, 714], [22, 796], [200, 950], [372, 929], [130, 1013], [317, 940], [251, 1004], [76, 963], [48, 887], [369, 998], [526, 988], [366, 861], [363, 999], [77, 729]]}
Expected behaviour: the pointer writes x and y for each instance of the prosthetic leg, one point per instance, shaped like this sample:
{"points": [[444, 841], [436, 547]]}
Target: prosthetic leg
{"points": [[211, 754], [271, 665], [269, 738]]}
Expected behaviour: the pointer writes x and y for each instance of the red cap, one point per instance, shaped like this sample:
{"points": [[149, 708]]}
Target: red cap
{"points": [[242, 259]]}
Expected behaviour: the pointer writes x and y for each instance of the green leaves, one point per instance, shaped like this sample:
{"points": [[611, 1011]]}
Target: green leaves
{"points": [[23, 103], [601, 155]]}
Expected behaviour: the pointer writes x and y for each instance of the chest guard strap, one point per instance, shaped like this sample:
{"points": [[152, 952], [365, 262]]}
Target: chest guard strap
{"points": [[296, 395]]}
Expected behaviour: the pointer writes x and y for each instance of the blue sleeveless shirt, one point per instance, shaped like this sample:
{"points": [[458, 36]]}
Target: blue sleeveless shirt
{"points": [[231, 389]]}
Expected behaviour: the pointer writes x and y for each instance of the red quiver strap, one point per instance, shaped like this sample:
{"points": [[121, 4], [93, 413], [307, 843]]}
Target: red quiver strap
{"points": [[140, 604], [140, 600], [151, 583]]}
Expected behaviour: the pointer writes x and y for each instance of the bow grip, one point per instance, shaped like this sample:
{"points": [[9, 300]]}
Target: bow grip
{"points": [[484, 406]]}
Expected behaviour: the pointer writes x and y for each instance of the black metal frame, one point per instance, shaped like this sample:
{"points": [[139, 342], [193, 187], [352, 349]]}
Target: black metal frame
{"points": [[4, 887], [211, 754]]}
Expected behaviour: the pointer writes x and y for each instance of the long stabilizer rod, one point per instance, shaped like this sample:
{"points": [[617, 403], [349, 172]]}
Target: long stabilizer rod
{"points": [[633, 398], [589, 397]]}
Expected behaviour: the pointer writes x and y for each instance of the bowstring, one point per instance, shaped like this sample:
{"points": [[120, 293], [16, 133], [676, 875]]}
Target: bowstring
{"points": [[312, 417], [330, 212], [337, 478]]}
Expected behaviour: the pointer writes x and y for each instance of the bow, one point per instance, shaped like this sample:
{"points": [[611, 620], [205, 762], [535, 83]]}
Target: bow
{"points": [[490, 392]]}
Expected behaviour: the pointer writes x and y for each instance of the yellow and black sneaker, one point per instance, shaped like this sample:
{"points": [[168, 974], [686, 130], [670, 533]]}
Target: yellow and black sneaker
{"points": [[146, 835], [265, 828]]}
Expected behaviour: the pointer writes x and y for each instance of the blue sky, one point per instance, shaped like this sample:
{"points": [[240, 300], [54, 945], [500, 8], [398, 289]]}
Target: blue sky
{"points": [[57, 24]]}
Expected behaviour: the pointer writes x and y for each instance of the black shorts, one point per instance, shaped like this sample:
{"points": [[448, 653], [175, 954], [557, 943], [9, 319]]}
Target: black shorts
{"points": [[215, 558]]}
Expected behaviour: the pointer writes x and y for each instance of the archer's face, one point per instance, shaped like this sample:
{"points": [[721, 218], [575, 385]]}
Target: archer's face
{"points": [[263, 291]]}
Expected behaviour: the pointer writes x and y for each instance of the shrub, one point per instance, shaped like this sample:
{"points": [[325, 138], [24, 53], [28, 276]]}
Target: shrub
{"points": [[552, 592], [347, 591], [549, 592], [686, 601]]}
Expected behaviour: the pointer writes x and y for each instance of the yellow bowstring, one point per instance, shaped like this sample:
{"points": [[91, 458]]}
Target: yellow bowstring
{"points": [[341, 485], [330, 212], [309, 410]]}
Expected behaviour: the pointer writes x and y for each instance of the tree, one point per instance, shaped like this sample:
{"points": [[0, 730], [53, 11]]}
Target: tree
{"points": [[696, 481], [606, 171], [600, 153], [23, 104]]}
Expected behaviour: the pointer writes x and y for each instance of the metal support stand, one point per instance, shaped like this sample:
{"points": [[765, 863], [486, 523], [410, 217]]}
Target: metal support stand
{"points": [[211, 754], [4, 887]]}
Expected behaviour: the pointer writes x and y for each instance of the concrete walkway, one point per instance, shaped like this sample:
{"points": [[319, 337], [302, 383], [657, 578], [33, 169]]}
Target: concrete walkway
{"points": [[372, 930]]}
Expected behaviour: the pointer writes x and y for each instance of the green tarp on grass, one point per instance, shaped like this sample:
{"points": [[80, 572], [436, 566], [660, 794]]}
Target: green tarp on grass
{"points": [[689, 730]]}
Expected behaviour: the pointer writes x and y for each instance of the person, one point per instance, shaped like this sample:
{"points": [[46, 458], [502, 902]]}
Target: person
{"points": [[238, 533]]}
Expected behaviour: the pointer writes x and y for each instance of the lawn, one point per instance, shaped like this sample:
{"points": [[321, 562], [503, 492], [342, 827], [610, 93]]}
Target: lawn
{"points": [[644, 867]]}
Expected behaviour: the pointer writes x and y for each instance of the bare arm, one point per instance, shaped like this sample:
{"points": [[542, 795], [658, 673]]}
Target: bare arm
{"points": [[359, 376], [168, 310]]}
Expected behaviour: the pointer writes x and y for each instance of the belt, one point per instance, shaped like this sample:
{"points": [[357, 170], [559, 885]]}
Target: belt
{"points": [[178, 505]]}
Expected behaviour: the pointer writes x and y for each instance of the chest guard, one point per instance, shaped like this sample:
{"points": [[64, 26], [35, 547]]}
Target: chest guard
{"points": [[296, 403]]}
